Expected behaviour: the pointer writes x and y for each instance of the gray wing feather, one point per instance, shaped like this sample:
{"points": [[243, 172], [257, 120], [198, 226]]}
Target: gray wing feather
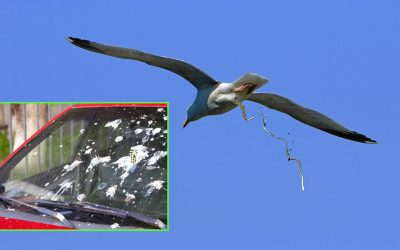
{"points": [[308, 116], [195, 76]]}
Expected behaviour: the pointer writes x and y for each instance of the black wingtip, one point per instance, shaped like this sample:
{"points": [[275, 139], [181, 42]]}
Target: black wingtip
{"points": [[70, 39], [75, 40], [85, 44], [354, 136], [370, 141]]}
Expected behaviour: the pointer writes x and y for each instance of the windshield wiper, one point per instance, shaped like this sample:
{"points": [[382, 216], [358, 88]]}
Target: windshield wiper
{"points": [[8, 202], [103, 210], [5, 203]]}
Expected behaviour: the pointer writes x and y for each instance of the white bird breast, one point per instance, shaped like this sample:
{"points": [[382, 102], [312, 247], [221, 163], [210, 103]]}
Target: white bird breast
{"points": [[223, 99]]}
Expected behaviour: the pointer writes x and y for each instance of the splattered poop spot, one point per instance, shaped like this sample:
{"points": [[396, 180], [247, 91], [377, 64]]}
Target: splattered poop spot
{"points": [[152, 186], [156, 157], [88, 151], [141, 153], [156, 131], [72, 166], [129, 197], [124, 162], [114, 124], [81, 197], [97, 160], [111, 191]]}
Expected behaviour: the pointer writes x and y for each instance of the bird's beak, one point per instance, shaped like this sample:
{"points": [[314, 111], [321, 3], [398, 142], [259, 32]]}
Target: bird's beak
{"points": [[185, 123]]}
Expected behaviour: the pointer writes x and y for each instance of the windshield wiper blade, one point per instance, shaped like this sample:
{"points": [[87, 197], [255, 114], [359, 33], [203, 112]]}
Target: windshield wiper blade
{"points": [[104, 210], [5, 203], [6, 200]]}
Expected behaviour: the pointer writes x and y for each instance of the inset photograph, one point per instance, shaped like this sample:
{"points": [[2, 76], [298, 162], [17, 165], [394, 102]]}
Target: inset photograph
{"points": [[89, 166]]}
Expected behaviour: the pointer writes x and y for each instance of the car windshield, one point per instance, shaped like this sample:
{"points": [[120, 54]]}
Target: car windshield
{"points": [[113, 156]]}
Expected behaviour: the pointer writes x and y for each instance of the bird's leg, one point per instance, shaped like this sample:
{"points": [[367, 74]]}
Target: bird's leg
{"points": [[243, 109]]}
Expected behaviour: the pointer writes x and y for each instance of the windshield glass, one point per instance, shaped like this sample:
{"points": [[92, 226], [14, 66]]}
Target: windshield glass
{"points": [[114, 156]]}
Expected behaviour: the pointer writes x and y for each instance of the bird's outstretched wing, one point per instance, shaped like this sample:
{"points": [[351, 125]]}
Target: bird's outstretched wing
{"points": [[195, 76], [307, 116]]}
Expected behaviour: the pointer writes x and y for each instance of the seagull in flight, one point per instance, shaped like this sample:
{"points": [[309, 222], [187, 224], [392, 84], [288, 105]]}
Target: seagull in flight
{"points": [[216, 97]]}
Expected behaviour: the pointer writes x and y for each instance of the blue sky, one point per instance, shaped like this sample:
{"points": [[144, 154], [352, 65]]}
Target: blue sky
{"points": [[231, 186]]}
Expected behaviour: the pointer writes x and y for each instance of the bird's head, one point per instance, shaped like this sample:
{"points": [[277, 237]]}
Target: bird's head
{"points": [[193, 114]]}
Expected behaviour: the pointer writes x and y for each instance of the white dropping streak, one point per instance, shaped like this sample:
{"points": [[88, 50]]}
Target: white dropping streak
{"points": [[96, 161], [288, 155], [157, 156]]}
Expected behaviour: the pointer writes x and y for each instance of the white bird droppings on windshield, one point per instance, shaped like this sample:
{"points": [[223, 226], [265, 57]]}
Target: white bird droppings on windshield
{"points": [[157, 156], [141, 153], [129, 197], [81, 197], [123, 177], [156, 131], [155, 185], [111, 191], [72, 166], [66, 184], [114, 124], [97, 160], [147, 137], [127, 165], [115, 225], [124, 162]]}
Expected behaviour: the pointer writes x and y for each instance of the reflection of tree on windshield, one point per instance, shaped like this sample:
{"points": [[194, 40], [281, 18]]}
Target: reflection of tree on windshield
{"points": [[110, 156]]}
